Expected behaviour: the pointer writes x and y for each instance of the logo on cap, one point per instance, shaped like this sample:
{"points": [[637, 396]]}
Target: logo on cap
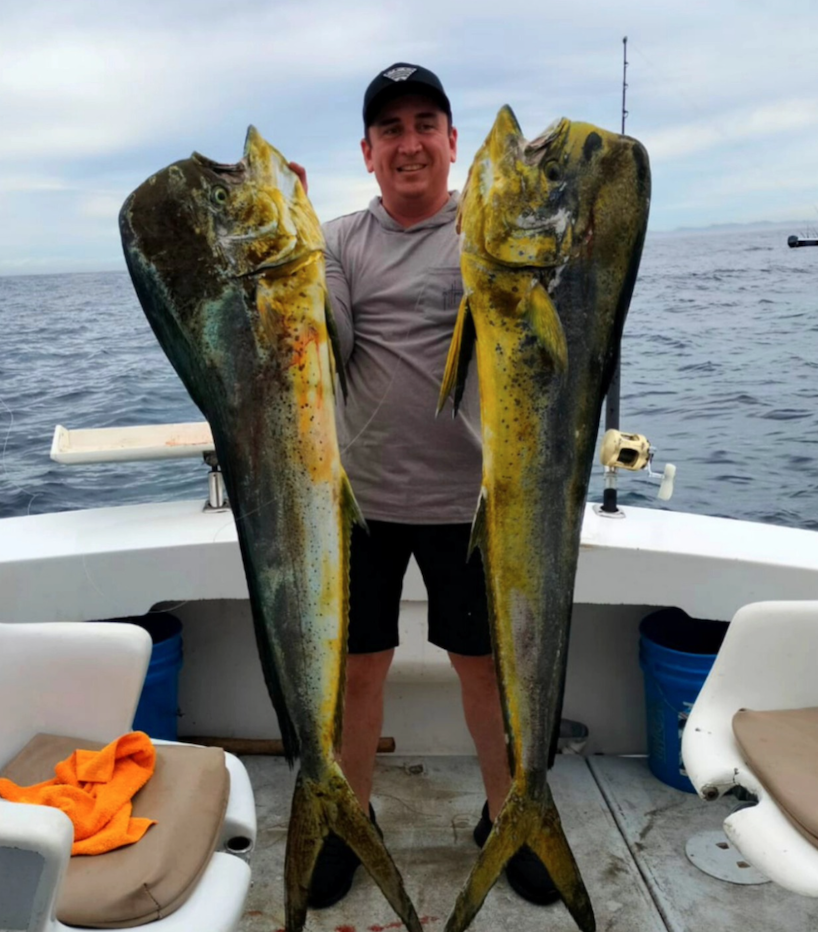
{"points": [[399, 74]]}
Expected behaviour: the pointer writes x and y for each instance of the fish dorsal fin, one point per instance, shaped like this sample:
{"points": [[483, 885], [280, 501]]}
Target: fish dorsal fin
{"points": [[538, 309], [478, 525], [335, 343], [460, 353]]}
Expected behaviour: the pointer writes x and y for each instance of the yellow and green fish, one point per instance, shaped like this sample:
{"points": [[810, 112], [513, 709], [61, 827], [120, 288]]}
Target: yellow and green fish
{"points": [[552, 233], [227, 261]]}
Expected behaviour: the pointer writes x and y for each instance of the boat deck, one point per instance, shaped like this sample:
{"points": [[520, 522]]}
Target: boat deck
{"points": [[627, 829]]}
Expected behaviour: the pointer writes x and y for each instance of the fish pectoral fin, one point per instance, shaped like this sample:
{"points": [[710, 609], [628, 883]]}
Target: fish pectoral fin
{"points": [[478, 525], [457, 362], [538, 309], [335, 345], [330, 806], [524, 821], [350, 505]]}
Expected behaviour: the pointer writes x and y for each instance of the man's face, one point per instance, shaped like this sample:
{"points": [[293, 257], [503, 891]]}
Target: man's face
{"points": [[410, 148]]}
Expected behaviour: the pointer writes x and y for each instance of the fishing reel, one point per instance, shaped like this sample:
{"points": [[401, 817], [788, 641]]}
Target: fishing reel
{"points": [[634, 452]]}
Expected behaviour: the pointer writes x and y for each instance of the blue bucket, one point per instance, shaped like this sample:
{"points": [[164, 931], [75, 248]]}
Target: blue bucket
{"points": [[676, 653], [158, 709], [157, 713]]}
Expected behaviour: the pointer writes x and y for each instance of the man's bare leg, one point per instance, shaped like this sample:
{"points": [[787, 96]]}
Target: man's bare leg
{"points": [[481, 707], [363, 719]]}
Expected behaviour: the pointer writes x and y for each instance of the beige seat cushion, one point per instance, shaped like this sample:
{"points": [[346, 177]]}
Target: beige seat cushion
{"points": [[782, 749], [187, 795]]}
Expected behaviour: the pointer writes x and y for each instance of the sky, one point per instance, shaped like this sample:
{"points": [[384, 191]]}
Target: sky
{"points": [[95, 96]]}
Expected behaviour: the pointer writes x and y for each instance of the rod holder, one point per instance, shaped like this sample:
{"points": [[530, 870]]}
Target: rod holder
{"points": [[216, 495]]}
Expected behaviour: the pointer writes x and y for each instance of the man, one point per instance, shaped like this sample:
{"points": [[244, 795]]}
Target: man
{"points": [[393, 272]]}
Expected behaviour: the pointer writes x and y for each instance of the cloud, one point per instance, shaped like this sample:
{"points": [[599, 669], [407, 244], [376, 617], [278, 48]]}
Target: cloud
{"points": [[95, 96], [97, 88], [101, 205], [742, 125], [31, 183]]}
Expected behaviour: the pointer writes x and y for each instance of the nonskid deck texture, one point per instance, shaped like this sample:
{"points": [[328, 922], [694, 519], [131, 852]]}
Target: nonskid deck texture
{"points": [[628, 832]]}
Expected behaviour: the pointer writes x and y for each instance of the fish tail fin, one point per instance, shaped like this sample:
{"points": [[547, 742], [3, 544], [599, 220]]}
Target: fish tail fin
{"points": [[305, 835], [525, 821], [331, 806], [551, 846]]}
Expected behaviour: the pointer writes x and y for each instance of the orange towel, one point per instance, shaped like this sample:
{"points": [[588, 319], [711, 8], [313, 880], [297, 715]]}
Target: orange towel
{"points": [[94, 789]]}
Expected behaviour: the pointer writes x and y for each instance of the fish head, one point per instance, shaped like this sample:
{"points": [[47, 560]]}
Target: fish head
{"points": [[199, 236], [244, 217], [256, 213], [536, 203]]}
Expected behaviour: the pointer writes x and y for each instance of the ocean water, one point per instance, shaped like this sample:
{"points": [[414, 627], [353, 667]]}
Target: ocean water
{"points": [[720, 372]]}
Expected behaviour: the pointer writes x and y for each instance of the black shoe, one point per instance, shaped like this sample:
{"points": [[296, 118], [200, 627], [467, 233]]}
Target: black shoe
{"points": [[525, 872], [334, 870]]}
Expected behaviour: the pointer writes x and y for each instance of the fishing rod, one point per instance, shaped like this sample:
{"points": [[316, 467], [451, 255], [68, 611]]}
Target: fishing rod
{"points": [[619, 450], [612, 399]]}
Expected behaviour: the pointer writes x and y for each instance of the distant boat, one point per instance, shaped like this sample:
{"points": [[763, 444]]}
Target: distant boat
{"points": [[793, 241]]}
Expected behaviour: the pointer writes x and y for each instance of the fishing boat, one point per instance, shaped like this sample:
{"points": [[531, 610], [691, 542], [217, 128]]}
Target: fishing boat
{"points": [[628, 829], [795, 241]]}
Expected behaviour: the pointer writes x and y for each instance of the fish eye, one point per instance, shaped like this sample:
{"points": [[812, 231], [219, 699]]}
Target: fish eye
{"points": [[552, 171], [219, 195]]}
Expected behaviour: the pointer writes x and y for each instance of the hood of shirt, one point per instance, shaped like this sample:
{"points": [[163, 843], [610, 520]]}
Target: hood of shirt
{"points": [[446, 214]]}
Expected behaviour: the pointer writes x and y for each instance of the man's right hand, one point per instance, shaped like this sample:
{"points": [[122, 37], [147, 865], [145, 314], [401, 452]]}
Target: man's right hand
{"points": [[301, 172]]}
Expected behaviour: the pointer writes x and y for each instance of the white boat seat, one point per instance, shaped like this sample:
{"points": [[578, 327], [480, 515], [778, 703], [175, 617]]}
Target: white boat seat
{"points": [[766, 663], [73, 678], [186, 795], [782, 749]]}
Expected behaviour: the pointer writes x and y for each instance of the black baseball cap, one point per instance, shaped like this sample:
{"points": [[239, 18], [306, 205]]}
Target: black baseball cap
{"points": [[397, 81]]}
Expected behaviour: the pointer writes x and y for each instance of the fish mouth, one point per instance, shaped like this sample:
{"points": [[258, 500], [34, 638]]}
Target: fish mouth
{"points": [[557, 222], [267, 172], [285, 265], [538, 225], [253, 142]]}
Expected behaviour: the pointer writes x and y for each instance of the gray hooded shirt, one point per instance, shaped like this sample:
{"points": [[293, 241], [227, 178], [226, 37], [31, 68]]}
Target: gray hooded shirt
{"points": [[395, 294]]}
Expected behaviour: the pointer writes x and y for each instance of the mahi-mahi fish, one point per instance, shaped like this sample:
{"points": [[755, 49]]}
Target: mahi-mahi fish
{"points": [[551, 237], [227, 262]]}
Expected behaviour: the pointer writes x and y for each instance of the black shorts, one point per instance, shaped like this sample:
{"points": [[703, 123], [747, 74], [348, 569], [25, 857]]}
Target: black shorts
{"points": [[458, 614]]}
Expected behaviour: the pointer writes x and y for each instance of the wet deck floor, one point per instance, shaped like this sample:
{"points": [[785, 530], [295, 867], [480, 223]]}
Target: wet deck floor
{"points": [[628, 832]]}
